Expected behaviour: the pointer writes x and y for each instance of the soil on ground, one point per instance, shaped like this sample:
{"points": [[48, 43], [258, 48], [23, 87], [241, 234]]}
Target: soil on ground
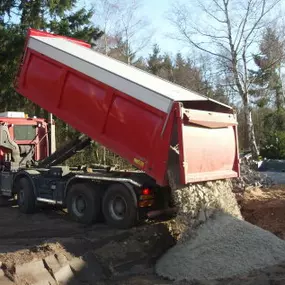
{"points": [[265, 207], [115, 255]]}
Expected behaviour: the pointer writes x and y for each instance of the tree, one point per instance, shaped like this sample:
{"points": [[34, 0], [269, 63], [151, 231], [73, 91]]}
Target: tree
{"points": [[166, 71], [267, 79], [186, 74], [11, 47], [154, 61], [132, 29], [232, 30], [106, 11], [126, 30], [268, 90], [53, 16]]}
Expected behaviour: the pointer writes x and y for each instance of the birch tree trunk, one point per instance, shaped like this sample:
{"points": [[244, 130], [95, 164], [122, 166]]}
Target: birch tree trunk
{"points": [[250, 127], [232, 28]]}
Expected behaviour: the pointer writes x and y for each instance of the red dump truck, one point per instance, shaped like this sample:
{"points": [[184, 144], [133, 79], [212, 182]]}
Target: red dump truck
{"points": [[167, 132]]}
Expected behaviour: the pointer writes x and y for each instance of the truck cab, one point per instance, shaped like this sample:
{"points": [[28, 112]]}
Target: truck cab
{"points": [[23, 140]]}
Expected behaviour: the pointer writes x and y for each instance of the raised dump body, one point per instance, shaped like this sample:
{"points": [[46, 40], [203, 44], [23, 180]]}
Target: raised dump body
{"points": [[154, 124]]}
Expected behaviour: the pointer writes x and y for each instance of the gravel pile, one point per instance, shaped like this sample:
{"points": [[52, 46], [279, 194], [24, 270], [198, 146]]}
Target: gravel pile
{"points": [[223, 247], [196, 203], [250, 177]]}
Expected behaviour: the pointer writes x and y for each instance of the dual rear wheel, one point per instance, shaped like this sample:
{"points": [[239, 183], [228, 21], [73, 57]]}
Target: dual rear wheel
{"points": [[86, 205]]}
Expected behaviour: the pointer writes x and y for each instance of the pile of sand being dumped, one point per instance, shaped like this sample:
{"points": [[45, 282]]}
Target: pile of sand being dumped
{"points": [[223, 247], [196, 203]]}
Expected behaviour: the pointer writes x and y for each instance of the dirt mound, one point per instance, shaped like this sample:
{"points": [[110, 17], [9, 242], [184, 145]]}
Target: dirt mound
{"points": [[223, 247], [215, 243], [29, 254]]}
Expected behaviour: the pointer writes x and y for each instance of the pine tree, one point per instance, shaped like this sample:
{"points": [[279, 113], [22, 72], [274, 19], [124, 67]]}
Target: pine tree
{"points": [[268, 90], [155, 61], [17, 16], [267, 79], [187, 74]]}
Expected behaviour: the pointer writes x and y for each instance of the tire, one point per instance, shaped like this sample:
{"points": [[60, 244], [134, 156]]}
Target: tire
{"points": [[26, 198], [126, 215], [84, 203]]}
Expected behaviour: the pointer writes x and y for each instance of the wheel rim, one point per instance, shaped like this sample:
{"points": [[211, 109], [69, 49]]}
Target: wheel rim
{"points": [[118, 208], [79, 205]]}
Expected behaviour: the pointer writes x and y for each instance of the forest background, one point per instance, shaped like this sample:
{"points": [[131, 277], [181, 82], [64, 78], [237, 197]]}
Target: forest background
{"points": [[230, 50]]}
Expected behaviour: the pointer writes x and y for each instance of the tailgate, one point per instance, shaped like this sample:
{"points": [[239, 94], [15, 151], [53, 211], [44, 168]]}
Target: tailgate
{"points": [[208, 146]]}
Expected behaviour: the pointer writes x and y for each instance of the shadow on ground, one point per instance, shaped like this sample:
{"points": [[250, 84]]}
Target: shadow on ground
{"points": [[49, 248]]}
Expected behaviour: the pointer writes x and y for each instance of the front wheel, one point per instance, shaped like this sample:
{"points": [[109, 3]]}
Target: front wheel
{"points": [[25, 196], [119, 207], [83, 203]]}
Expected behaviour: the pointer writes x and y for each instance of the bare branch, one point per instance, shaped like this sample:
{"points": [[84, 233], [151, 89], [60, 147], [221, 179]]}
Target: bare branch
{"points": [[132, 28], [243, 23], [263, 13], [209, 35], [207, 11], [219, 6], [198, 45], [179, 19]]}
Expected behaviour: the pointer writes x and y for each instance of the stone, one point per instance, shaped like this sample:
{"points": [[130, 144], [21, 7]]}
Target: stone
{"points": [[5, 281], [61, 259], [64, 275], [52, 263], [33, 272]]}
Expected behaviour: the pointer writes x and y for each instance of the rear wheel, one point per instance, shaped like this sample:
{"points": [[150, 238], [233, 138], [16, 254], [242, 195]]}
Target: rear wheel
{"points": [[83, 203], [25, 196], [119, 207]]}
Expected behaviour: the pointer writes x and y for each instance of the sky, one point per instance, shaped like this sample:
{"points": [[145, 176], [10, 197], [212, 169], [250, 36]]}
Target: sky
{"points": [[155, 11]]}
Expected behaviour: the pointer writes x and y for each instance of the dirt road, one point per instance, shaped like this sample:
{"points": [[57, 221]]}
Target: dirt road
{"points": [[112, 254]]}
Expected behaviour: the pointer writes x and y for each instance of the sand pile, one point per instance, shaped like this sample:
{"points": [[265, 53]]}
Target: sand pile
{"points": [[222, 247]]}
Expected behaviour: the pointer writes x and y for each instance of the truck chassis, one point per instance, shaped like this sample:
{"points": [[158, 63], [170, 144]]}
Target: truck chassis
{"points": [[120, 198]]}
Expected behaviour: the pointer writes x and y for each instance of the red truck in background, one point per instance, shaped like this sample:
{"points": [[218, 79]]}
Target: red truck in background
{"points": [[166, 131]]}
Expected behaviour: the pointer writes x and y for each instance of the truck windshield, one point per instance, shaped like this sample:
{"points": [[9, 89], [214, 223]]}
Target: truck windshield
{"points": [[24, 132]]}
